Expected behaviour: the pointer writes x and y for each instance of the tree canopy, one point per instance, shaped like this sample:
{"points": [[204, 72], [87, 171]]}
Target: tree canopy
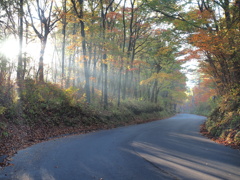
{"points": [[112, 47]]}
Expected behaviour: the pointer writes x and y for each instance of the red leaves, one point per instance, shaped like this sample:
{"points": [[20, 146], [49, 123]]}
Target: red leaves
{"points": [[132, 69], [189, 54], [203, 92], [113, 15]]}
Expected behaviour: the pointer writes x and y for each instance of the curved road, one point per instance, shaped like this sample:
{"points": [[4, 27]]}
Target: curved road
{"points": [[165, 149]]}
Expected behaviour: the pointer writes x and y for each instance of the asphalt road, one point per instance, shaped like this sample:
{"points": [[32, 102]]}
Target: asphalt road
{"points": [[165, 149]]}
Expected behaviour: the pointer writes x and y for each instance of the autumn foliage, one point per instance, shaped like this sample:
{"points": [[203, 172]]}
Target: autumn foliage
{"points": [[218, 43], [203, 92]]}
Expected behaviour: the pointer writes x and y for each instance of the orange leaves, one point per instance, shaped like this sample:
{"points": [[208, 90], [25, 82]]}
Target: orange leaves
{"points": [[163, 51], [205, 16], [132, 69], [164, 78], [216, 43], [138, 62], [203, 91], [113, 15], [203, 40], [189, 54]]}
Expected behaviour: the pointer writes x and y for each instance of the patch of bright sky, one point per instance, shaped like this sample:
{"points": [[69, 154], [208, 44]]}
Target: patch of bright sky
{"points": [[190, 67], [190, 70], [10, 48]]}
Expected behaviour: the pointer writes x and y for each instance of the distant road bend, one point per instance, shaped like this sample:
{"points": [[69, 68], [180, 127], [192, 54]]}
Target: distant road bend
{"points": [[165, 149]]}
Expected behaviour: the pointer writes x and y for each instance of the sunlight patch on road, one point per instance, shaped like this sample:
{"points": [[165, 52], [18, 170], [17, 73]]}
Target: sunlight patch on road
{"points": [[24, 176], [197, 138], [179, 163]]}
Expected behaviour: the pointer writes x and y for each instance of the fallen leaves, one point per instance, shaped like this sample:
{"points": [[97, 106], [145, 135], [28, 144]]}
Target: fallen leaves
{"points": [[225, 142]]}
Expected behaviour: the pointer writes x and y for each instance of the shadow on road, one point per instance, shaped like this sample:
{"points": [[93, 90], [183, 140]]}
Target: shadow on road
{"points": [[190, 156]]}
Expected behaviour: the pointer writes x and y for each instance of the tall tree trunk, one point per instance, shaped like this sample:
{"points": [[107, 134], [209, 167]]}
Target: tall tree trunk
{"points": [[104, 60], [105, 99], [130, 46], [63, 41], [71, 64], [20, 60], [94, 70], [69, 70], [20, 57], [125, 85], [40, 73], [119, 86], [123, 51], [25, 54], [156, 95], [84, 49], [86, 69]]}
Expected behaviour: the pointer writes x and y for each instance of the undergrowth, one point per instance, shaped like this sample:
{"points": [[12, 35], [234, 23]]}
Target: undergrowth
{"points": [[43, 110], [224, 121], [205, 108]]}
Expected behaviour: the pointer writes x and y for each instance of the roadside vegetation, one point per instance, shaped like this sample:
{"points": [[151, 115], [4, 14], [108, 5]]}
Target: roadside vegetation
{"points": [[82, 66], [75, 66], [223, 123], [48, 111], [223, 112], [213, 28]]}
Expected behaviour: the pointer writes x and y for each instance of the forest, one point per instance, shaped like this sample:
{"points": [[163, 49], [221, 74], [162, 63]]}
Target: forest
{"points": [[74, 66]]}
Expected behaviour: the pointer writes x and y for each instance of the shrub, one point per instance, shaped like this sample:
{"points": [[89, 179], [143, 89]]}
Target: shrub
{"points": [[138, 107], [224, 121], [2, 110], [3, 132], [237, 138]]}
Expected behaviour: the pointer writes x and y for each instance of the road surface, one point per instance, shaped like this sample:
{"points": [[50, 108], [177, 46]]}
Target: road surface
{"points": [[165, 149]]}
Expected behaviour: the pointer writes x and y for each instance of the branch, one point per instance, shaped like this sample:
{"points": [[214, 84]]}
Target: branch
{"points": [[177, 16], [75, 8], [32, 24], [49, 15]]}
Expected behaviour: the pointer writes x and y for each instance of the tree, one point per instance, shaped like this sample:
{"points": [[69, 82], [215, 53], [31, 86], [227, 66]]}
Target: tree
{"points": [[44, 10], [78, 8], [64, 23], [20, 58], [214, 28]]}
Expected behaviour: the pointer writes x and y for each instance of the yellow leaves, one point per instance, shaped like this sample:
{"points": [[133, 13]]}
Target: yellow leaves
{"points": [[72, 91], [161, 77], [179, 96], [71, 46], [86, 28], [174, 83], [163, 51], [104, 61], [82, 99], [98, 92], [2, 110], [138, 62], [71, 18], [147, 81]]}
